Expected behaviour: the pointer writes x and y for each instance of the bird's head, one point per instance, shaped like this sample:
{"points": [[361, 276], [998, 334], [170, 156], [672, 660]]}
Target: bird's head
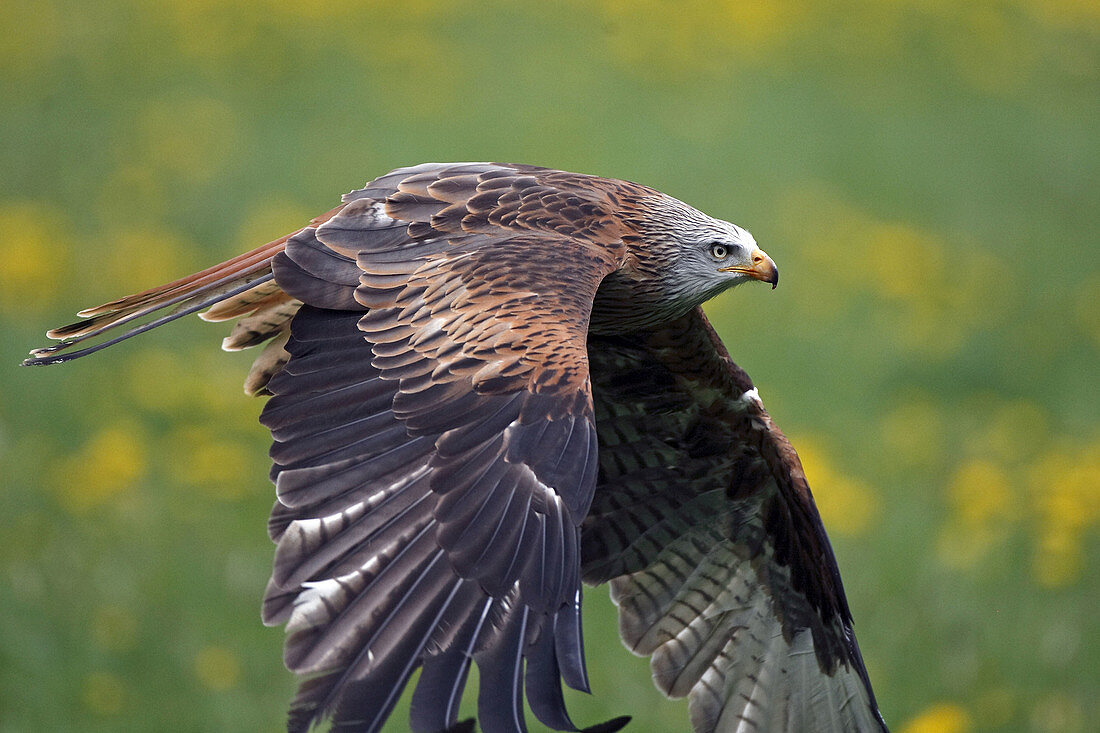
{"points": [[678, 259], [728, 255], [698, 256]]}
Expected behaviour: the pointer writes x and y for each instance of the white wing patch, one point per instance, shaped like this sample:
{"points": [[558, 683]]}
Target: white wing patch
{"points": [[751, 396], [311, 607]]}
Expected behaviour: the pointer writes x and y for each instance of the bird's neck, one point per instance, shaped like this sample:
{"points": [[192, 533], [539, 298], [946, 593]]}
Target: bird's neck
{"points": [[625, 305]]}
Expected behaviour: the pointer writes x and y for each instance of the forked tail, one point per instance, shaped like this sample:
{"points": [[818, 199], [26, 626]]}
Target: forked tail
{"points": [[242, 287]]}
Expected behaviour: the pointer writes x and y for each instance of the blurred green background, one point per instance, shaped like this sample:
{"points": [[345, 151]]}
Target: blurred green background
{"points": [[924, 172]]}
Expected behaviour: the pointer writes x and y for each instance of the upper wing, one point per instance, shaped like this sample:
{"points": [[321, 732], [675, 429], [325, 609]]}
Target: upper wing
{"points": [[704, 524], [434, 457]]}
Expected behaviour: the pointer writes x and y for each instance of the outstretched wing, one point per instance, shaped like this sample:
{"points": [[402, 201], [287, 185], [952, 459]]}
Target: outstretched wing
{"points": [[435, 446], [704, 524]]}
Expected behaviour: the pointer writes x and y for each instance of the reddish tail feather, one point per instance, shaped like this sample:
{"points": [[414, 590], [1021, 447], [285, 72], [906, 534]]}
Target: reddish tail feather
{"points": [[239, 287]]}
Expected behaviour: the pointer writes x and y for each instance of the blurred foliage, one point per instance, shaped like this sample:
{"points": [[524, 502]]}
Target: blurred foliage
{"points": [[925, 172]]}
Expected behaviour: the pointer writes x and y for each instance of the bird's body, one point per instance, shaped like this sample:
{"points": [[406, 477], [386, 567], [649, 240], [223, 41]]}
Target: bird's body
{"points": [[489, 383]]}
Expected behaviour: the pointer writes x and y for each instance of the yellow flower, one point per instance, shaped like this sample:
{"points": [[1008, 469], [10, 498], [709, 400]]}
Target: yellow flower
{"points": [[980, 494], [1075, 14], [983, 509], [214, 461], [30, 51], [1065, 490], [943, 717], [106, 467], [847, 505], [31, 256]]}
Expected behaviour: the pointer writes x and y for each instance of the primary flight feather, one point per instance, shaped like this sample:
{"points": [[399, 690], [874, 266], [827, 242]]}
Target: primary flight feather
{"points": [[488, 383]]}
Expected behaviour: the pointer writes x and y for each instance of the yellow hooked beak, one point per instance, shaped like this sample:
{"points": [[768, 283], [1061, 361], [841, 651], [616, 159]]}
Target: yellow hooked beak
{"points": [[762, 268]]}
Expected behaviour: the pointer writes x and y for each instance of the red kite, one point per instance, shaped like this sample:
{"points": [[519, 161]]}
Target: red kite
{"points": [[489, 383]]}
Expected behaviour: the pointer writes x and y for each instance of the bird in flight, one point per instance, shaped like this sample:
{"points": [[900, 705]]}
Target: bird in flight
{"points": [[489, 383]]}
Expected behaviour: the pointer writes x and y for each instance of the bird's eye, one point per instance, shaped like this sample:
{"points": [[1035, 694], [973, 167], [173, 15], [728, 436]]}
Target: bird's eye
{"points": [[719, 251]]}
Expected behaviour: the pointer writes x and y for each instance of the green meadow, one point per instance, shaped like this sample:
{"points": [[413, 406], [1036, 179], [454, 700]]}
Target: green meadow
{"points": [[925, 173]]}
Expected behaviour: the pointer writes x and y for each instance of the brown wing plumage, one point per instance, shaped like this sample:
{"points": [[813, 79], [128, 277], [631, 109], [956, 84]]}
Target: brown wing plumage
{"points": [[435, 449], [705, 527]]}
